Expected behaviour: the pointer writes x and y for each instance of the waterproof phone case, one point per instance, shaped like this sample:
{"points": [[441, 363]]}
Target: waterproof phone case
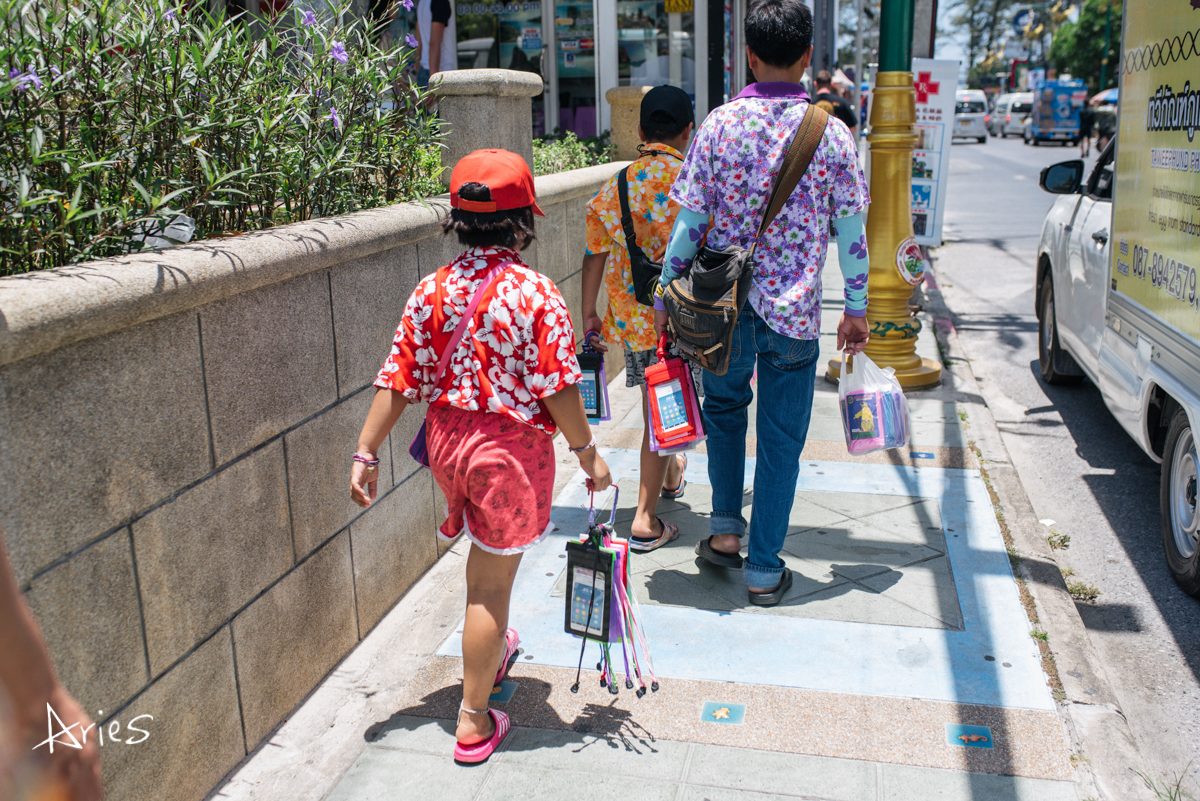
{"points": [[593, 386], [589, 590]]}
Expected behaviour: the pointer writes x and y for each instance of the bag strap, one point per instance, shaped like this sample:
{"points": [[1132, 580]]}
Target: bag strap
{"points": [[626, 214], [467, 315], [799, 156]]}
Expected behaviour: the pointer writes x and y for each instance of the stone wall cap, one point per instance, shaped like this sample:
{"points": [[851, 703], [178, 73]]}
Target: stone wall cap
{"points": [[486, 83], [50, 309]]}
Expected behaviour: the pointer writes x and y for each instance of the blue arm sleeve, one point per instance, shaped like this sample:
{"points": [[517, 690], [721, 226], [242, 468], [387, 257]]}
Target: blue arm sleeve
{"points": [[852, 258], [686, 238]]}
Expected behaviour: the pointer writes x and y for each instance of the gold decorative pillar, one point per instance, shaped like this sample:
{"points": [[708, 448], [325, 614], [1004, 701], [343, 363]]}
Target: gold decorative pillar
{"points": [[895, 267]]}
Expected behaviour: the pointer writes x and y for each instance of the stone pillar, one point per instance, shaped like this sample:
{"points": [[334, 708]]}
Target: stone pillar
{"points": [[485, 109], [626, 103]]}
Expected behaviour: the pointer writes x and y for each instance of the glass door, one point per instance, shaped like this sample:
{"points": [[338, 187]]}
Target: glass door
{"points": [[575, 50], [506, 36], [657, 44]]}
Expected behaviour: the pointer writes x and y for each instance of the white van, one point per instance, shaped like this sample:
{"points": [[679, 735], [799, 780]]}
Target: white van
{"points": [[970, 115], [1009, 116]]}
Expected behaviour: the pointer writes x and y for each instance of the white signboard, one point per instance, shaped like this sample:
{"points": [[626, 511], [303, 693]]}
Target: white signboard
{"points": [[936, 83]]}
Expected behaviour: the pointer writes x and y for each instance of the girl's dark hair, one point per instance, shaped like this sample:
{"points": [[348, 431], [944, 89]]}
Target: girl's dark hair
{"points": [[778, 31], [511, 228]]}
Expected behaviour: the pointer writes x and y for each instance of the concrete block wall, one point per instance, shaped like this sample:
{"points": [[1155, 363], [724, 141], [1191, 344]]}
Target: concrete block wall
{"points": [[175, 434]]}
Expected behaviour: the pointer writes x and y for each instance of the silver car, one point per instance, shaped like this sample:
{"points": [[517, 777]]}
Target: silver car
{"points": [[1011, 112], [970, 115]]}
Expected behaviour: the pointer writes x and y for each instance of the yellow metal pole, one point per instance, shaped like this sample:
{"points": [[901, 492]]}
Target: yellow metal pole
{"points": [[896, 264]]}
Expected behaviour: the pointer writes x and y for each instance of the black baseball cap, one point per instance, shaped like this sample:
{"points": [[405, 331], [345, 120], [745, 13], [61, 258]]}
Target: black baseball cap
{"points": [[666, 107]]}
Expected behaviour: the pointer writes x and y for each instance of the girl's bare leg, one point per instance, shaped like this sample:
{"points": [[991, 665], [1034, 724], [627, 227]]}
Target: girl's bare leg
{"points": [[489, 586], [656, 471]]}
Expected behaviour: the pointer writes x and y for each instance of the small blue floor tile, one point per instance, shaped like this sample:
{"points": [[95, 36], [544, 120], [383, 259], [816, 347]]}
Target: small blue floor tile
{"points": [[716, 712], [502, 693], [968, 736], [921, 455]]}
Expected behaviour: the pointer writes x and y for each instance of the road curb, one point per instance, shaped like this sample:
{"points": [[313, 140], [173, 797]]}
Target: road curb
{"points": [[1091, 710]]}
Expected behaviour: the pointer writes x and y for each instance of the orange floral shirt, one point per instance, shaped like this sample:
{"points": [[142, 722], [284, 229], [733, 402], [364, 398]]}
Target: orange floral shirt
{"points": [[650, 177]]}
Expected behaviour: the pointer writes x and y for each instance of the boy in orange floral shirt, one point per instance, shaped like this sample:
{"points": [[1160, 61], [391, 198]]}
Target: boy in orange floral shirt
{"points": [[666, 125]]}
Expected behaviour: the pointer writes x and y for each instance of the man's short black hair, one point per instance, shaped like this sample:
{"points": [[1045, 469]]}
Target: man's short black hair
{"points": [[510, 228], [778, 31]]}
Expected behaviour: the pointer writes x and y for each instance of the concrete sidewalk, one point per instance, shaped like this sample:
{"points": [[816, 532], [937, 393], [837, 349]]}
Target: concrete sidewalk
{"points": [[899, 666]]}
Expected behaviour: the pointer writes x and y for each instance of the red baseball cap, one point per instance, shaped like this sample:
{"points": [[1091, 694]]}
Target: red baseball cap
{"points": [[505, 173]]}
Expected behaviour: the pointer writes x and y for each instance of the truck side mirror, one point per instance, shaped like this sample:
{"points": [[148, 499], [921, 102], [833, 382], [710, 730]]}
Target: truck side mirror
{"points": [[1064, 178]]}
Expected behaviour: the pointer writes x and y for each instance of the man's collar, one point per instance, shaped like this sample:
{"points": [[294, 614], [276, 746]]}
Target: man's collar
{"points": [[772, 90]]}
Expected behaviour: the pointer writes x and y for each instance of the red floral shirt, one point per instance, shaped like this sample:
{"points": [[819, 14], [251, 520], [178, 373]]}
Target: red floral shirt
{"points": [[518, 348]]}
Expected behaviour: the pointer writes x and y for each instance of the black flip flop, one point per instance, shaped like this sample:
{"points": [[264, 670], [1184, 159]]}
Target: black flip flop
{"points": [[705, 551], [776, 595]]}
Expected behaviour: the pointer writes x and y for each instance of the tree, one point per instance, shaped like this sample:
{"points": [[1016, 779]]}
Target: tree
{"points": [[1078, 47], [980, 25]]}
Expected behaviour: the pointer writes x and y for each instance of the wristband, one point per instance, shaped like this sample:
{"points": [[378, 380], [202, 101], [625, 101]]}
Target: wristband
{"points": [[591, 444], [370, 463]]}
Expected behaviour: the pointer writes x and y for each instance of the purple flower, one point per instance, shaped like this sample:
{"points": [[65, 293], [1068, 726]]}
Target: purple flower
{"points": [[14, 72], [408, 4], [170, 16], [338, 51], [857, 282], [697, 233], [55, 72], [310, 19], [333, 117], [25, 79], [859, 248], [410, 40]]}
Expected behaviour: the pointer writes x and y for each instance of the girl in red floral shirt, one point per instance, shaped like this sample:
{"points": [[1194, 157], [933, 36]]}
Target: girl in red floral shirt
{"points": [[509, 384]]}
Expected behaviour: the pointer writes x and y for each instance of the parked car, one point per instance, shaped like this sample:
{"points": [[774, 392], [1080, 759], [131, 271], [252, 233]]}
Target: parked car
{"points": [[1146, 368], [970, 115], [1010, 113]]}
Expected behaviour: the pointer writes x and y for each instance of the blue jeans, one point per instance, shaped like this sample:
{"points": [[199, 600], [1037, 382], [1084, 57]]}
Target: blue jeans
{"points": [[423, 78], [786, 370]]}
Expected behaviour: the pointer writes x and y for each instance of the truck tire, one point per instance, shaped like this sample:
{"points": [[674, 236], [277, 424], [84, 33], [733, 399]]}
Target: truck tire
{"points": [[1057, 366], [1177, 504]]}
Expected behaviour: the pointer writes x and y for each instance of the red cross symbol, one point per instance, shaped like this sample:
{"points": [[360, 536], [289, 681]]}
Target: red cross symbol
{"points": [[926, 86]]}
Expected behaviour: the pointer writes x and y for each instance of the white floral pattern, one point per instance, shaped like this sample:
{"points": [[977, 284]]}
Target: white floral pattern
{"points": [[518, 348], [728, 173]]}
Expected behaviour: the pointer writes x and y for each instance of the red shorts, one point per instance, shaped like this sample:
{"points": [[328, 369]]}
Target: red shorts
{"points": [[496, 473]]}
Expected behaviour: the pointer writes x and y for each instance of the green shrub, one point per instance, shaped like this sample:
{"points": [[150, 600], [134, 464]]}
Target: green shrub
{"points": [[559, 152], [116, 117]]}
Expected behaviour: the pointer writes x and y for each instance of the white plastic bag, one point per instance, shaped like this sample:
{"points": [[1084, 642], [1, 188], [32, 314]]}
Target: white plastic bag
{"points": [[874, 409]]}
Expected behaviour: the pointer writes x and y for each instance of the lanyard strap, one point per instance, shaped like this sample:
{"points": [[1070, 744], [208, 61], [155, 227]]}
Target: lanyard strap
{"points": [[467, 316]]}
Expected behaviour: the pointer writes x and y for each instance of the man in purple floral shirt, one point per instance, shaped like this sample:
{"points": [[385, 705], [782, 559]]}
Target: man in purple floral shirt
{"points": [[727, 177]]}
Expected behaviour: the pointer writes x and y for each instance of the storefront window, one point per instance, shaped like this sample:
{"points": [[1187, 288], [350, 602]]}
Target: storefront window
{"points": [[575, 30], [504, 36], [657, 43]]}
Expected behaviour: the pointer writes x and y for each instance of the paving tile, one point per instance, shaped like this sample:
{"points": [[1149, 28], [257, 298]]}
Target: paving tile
{"points": [[722, 713], [383, 775], [772, 772], [722, 794], [674, 586], [612, 754], [944, 433], [408, 733], [854, 504], [920, 521], [927, 586], [509, 781], [857, 548], [852, 602], [904, 783]]}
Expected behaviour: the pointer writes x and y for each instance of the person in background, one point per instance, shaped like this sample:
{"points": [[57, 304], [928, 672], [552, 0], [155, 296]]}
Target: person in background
{"points": [[438, 39], [727, 176], [833, 103], [1087, 121], [27, 675], [666, 125]]}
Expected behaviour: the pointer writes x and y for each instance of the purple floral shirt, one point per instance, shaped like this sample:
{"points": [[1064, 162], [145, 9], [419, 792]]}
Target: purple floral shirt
{"points": [[728, 173]]}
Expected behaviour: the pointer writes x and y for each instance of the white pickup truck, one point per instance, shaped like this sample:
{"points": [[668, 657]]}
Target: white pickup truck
{"points": [[1130, 325]]}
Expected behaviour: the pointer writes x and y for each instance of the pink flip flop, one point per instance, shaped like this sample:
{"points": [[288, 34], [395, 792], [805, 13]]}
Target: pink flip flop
{"points": [[479, 752], [511, 641]]}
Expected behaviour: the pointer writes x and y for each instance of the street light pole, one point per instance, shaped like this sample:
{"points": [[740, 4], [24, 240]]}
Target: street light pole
{"points": [[1107, 39], [894, 266], [858, 69]]}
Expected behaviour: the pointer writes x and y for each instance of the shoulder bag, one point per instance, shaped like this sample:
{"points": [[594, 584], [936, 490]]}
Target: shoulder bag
{"points": [[419, 449], [703, 304], [642, 268]]}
